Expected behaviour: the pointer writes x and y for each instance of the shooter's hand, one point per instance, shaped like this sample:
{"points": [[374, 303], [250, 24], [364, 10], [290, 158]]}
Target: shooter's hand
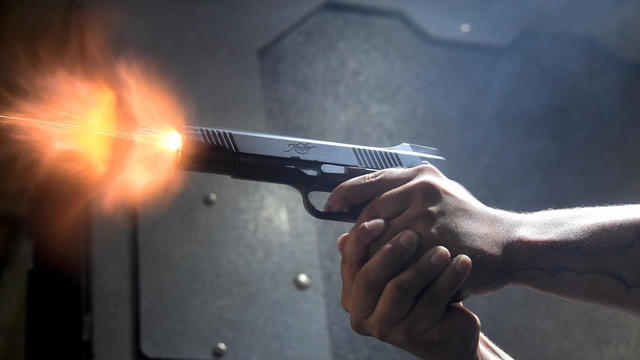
{"points": [[408, 307], [441, 211]]}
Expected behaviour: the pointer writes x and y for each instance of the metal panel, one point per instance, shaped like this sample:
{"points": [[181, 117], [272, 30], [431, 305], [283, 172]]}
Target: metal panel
{"points": [[546, 120], [226, 273], [523, 122]]}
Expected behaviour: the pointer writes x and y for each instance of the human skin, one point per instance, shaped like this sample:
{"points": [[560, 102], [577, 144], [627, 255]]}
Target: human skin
{"points": [[410, 306], [586, 254]]}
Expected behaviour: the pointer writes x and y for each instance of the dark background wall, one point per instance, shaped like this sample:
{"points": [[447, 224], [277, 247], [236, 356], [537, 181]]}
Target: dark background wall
{"points": [[537, 106]]}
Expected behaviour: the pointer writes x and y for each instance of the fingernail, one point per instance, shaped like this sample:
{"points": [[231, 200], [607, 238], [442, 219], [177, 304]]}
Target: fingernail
{"points": [[374, 225], [439, 257], [461, 267], [408, 240]]}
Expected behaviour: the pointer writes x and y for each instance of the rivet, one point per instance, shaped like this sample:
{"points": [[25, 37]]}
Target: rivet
{"points": [[302, 281], [210, 199], [220, 349]]}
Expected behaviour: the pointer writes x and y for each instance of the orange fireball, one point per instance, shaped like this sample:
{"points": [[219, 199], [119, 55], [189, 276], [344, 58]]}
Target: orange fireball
{"points": [[117, 130]]}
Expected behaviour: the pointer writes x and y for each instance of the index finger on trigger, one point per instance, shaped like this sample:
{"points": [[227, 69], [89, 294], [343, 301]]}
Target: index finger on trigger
{"points": [[366, 187]]}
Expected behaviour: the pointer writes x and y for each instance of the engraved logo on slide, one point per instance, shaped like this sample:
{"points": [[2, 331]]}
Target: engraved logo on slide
{"points": [[300, 148]]}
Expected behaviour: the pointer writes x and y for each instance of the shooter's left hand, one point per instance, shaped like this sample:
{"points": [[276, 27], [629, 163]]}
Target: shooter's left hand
{"points": [[408, 307]]}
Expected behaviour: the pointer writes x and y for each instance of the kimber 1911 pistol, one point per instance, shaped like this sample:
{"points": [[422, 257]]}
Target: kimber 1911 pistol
{"points": [[308, 165]]}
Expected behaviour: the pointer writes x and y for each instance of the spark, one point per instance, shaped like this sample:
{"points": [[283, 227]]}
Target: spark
{"points": [[172, 141], [169, 140]]}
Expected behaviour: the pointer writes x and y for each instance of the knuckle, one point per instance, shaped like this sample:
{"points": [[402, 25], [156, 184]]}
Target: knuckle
{"points": [[382, 333], [399, 287], [427, 190], [370, 211], [421, 206], [475, 323], [423, 185], [358, 231], [364, 278], [372, 177], [438, 211], [470, 328], [344, 301], [428, 214], [358, 325], [423, 168], [427, 169]]}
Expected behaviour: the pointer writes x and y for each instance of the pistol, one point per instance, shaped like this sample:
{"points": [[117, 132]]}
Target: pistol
{"points": [[307, 165]]}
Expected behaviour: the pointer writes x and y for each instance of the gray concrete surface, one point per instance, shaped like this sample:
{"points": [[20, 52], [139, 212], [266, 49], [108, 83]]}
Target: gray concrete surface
{"points": [[536, 107]]}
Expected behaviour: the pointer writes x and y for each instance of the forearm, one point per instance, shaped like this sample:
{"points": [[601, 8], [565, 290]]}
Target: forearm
{"points": [[587, 254]]}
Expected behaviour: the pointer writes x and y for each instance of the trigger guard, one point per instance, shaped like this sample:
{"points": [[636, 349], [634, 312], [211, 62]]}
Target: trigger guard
{"points": [[348, 216]]}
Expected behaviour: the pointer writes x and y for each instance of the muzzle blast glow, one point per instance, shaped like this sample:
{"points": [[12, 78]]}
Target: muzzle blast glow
{"points": [[115, 131]]}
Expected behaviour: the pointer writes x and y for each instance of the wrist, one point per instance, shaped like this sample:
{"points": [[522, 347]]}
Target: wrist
{"points": [[527, 239], [515, 234], [498, 234]]}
